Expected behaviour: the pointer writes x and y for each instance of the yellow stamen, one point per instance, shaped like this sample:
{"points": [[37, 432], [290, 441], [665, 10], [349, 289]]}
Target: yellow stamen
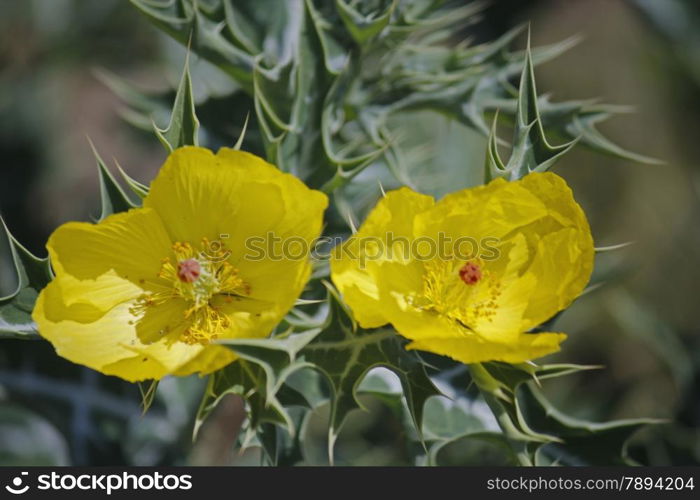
{"points": [[197, 276]]}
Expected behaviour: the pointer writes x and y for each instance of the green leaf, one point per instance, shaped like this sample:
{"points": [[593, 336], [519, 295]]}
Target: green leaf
{"points": [[259, 376], [363, 26], [282, 448], [583, 126], [499, 384], [531, 152], [385, 57], [345, 354], [335, 54], [278, 358], [582, 442], [338, 350], [245, 379], [475, 448], [183, 129], [530, 422], [112, 196], [138, 188], [444, 420], [33, 274]]}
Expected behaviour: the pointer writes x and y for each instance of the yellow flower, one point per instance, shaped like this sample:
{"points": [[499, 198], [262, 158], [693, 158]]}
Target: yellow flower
{"points": [[143, 294], [468, 276]]}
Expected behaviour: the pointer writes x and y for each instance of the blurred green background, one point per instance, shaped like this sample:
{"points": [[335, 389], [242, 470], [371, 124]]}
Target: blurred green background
{"points": [[641, 325]]}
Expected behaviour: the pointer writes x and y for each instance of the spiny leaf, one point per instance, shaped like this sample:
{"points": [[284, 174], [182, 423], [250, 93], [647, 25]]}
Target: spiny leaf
{"points": [[335, 54], [139, 189], [583, 442], [341, 352], [278, 357], [182, 20], [531, 423], [469, 440], [531, 152], [280, 447], [112, 196], [183, 129], [33, 274], [510, 376], [247, 380], [583, 126], [499, 384], [410, 63], [361, 26], [499, 395], [345, 354], [259, 377]]}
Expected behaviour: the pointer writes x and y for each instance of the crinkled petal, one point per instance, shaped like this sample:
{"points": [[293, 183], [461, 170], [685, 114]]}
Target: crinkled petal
{"points": [[131, 244], [354, 266], [563, 250], [491, 211], [242, 201], [107, 342], [474, 349], [435, 333]]}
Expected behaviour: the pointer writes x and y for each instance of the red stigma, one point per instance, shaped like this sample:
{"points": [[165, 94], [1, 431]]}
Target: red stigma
{"points": [[188, 270], [470, 273]]}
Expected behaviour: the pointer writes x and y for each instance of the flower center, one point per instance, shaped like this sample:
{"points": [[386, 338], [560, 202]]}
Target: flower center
{"points": [[204, 280], [470, 273], [188, 270], [444, 291]]}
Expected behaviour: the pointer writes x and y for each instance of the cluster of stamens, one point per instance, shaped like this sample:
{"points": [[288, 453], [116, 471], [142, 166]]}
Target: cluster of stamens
{"points": [[465, 292], [197, 277]]}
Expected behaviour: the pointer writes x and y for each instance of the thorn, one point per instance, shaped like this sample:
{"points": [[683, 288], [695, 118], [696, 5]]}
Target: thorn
{"points": [[529, 32], [351, 223], [614, 247], [239, 142]]}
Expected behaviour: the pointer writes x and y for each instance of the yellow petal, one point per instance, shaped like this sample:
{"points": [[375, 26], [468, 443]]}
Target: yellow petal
{"points": [[355, 264], [209, 360], [563, 249], [162, 320], [435, 333], [491, 211], [106, 342], [240, 200], [105, 292], [131, 244], [474, 349]]}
